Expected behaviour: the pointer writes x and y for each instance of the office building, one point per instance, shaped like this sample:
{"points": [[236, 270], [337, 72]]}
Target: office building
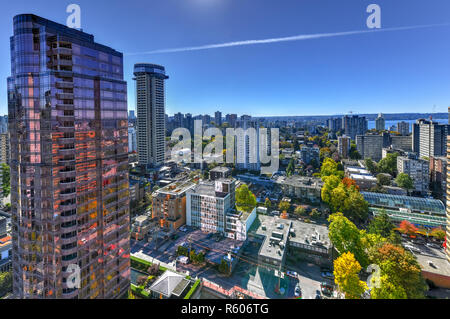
{"points": [[208, 203], [344, 144], [417, 169], [370, 146], [354, 125], [447, 249], [150, 106], [67, 104], [380, 123], [403, 128]]}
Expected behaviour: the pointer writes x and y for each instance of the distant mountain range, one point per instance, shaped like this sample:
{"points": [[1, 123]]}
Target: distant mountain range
{"points": [[370, 117]]}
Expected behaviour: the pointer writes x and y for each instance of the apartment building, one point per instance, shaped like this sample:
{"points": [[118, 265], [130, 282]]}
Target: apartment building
{"points": [[417, 169], [169, 205], [370, 146]]}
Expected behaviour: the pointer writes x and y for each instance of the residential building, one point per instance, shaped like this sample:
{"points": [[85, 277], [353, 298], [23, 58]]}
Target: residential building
{"points": [[4, 148], [309, 154], [132, 140], [438, 176], [447, 249], [334, 124], [417, 169], [140, 227], [150, 106], [67, 105], [380, 123], [219, 172], [231, 119], [354, 125], [429, 138], [417, 210], [403, 128], [303, 188], [218, 118], [247, 145], [370, 146], [362, 177], [344, 144], [169, 205], [401, 142]]}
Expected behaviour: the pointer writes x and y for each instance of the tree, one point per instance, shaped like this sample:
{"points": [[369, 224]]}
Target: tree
{"points": [[348, 182], [5, 283], [404, 181], [300, 210], [370, 165], [407, 228], [290, 168], [346, 237], [245, 200], [399, 269], [315, 213], [330, 183], [346, 270], [388, 290], [381, 225], [268, 203], [354, 154], [439, 233], [224, 267], [388, 164], [383, 179], [329, 168], [284, 206]]}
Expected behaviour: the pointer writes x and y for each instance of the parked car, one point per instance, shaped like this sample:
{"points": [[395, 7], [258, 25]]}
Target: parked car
{"points": [[318, 294], [297, 291], [291, 273], [326, 288]]}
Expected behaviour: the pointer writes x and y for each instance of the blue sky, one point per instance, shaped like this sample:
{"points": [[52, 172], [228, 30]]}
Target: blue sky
{"points": [[389, 72]]}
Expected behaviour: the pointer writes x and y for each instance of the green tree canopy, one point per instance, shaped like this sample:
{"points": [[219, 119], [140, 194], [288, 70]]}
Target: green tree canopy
{"points": [[346, 237], [388, 164], [245, 199], [381, 225], [404, 181]]}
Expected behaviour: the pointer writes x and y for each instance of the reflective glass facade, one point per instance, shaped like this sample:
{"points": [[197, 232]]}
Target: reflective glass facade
{"points": [[69, 163]]}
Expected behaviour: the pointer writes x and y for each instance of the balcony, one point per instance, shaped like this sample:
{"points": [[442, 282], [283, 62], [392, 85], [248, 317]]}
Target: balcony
{"points": [[64, 85], [65, 106], [67, 150], [67, 161], [65, 118], [64, 96]]}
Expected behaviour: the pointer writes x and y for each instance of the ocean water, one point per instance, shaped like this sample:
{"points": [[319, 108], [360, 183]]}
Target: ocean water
{"points": [[389, 123]]}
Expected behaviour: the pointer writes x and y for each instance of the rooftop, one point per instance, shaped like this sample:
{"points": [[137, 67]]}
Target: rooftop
{"points": [[176, 188], [170, 283], [300, 181]]}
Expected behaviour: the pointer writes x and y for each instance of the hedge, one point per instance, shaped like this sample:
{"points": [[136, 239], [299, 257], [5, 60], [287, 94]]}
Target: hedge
{"points": [[193, 289]]}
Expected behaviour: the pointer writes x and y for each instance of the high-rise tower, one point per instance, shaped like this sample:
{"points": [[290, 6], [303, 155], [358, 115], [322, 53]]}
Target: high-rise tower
{"points": [[67, 104], [150, 106]]}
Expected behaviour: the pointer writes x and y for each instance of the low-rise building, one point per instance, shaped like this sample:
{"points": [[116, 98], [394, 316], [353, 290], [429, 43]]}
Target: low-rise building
{"points": [[169, 204], [279, 237], [308, 154], [300, 187], [140, 227], [219, 172], [362, 177]]}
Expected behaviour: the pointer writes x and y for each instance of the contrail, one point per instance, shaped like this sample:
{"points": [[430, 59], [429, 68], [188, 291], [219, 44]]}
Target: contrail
{"points": [[283, 39]]}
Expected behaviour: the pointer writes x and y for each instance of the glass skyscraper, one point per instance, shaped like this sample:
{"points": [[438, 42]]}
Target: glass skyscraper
{"points": [[67, 104]]}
